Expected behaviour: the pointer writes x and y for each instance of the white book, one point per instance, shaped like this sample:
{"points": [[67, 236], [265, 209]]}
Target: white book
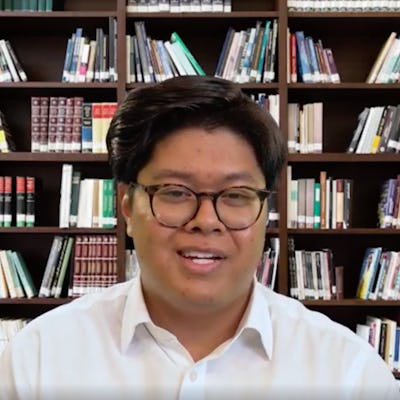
{"points": [[174, 57], [362, 331], [370, 129], [65, 195], [10, 64], [85, 210], [188, 67]]}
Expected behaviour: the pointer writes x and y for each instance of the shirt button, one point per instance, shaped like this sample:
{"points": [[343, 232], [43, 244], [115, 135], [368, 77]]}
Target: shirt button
{"points": [[193, 376]]}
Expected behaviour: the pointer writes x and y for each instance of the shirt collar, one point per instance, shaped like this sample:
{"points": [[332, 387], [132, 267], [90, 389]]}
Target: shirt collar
{"points": [[134, 313], [256, 317]]}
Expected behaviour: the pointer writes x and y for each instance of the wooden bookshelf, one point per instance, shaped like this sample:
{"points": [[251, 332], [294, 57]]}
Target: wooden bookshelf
{"points": [[354, 48]]}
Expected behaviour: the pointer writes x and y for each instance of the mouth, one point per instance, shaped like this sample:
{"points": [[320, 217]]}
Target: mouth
{"points": [[201, 260]]}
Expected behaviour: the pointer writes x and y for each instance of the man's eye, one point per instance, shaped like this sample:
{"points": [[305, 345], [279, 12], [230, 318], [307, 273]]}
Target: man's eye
{"points": [[174, 194], [237, 197]]}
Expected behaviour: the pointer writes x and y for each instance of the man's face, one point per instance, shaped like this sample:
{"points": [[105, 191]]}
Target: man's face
{"points": [[202, 266]]}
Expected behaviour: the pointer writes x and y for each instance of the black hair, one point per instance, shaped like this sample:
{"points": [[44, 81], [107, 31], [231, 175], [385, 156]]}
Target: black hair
{"points": [[152, 112]]}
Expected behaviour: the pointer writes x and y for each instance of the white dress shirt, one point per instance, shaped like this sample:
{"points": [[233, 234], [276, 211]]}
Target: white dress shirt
{"points": [[105, 346]]}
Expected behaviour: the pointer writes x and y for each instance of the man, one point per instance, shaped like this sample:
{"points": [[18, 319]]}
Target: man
{"points": [[195, 160]]}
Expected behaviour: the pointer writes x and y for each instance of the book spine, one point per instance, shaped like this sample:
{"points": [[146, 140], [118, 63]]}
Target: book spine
{"points": [[7, 201], [35, 124], [1, 201], [20, 201], [51, 264], [30, 201]]}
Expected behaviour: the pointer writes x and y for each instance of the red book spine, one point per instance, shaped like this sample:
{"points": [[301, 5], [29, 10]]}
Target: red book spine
{"points": [[7, 201], [30, 201], [20, 201], [35, 124], [1, 201]]}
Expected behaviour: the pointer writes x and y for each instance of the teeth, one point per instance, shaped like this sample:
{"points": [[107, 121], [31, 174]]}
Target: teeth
{"points": [[197, 254]]}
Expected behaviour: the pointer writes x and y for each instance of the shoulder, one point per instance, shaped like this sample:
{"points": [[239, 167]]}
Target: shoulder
{"points": [[87, 310], [291, 316]]}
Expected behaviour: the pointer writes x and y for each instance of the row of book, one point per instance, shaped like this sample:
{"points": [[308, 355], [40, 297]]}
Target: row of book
{"points": [[9, 327], [10, 67], [389, 204], [6, 140], [386, 68], [326, 204], [17, 201], [249, 55], [379, 275], [269, 102], [309, 61], [268, 266], [313, 275], [92, 60], [151, 60], [15, 278], [179, 5], [69, 124], [31, 5], [377, 131], [86, 203], [305, 127], [343, 5], [90, 259], [383, 334]]}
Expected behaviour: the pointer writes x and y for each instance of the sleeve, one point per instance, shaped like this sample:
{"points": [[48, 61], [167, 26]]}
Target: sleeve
{"points": [[373, 379], [19, 366]]}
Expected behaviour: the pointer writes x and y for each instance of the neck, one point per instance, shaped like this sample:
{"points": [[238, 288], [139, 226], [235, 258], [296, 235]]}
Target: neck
{"points": [[200, 332]]}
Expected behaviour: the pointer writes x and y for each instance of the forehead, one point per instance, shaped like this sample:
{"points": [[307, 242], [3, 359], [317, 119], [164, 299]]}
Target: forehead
{"points": [[196, 155]]}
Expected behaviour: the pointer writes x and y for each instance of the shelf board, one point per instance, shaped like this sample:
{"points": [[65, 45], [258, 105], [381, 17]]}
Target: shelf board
{"points": [[58, 85], [344, 14], [36, 301], [58, 14], [57, 230], [54, 157], [350, 231], [344, 86], [343, 157], [251, 86], [352, 302], [204, 15]]}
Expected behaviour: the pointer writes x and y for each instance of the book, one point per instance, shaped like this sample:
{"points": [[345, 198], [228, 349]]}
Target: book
{"points": [[368, 270], [11, 276], [380, 58], [20, 201], [8, 197], [51, 264], [24, 274], [176, 38]]}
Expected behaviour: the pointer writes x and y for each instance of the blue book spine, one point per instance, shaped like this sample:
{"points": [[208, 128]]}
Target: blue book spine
{"points": [[87, 130], [304, 67], [313, 59]]}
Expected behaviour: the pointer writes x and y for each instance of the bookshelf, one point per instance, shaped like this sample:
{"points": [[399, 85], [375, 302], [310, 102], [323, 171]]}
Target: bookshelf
{"points": [[355, 49]]}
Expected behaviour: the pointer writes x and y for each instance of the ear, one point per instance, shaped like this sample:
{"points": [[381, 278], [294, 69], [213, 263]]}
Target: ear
{"points": [[126, 206]]}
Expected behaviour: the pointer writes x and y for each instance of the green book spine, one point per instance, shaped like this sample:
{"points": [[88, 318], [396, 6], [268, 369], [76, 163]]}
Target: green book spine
{"points": [[33, 5], [49, 5], [317, 205], [23, 272], [176, 38], [25, 5], [8, 5], [108, 204], [41, 5]]}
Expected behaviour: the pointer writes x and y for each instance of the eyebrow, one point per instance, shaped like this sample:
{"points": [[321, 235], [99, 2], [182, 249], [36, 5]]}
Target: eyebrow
{"points": [[226, 179]]}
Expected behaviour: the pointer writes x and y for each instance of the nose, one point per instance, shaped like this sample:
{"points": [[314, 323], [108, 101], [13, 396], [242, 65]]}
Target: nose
{"points": [[206, 219]]}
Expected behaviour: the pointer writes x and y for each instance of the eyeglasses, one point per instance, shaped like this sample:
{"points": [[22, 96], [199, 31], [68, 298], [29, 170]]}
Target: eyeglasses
{"points": [[175, 205]]}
